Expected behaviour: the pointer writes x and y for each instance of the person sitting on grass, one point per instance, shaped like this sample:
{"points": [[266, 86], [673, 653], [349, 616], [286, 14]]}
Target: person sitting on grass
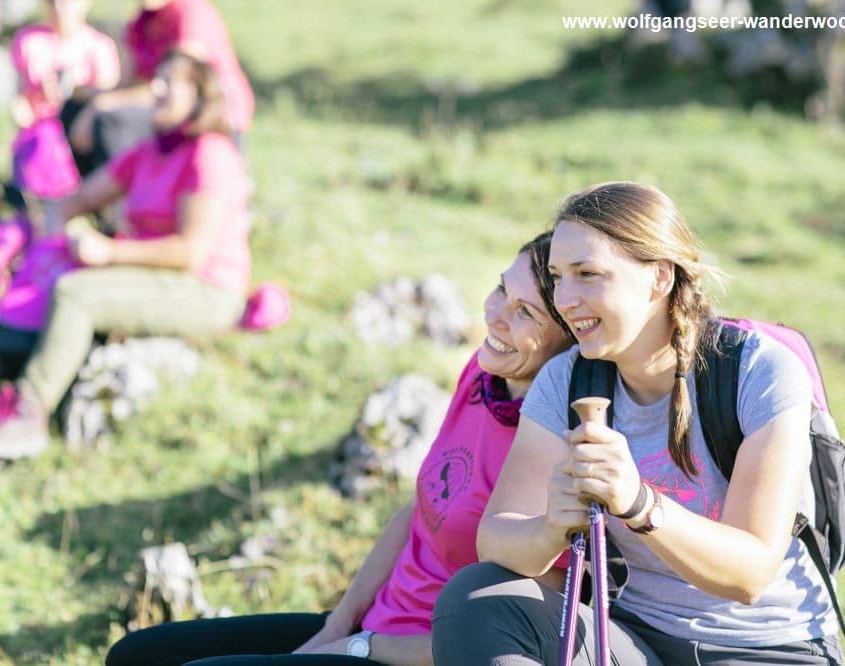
{"points": [[715, 573], [385, 614], [180, 267], [108, 122], [54, 60]]}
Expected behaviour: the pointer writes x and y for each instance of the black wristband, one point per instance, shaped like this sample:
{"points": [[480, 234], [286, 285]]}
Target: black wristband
{"points": [[637, 506]]}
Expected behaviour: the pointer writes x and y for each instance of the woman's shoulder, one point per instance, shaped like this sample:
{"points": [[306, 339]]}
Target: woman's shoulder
{"points": [[772, 378], [763, 352], [217, 163], [215, 145], [30, 36]]}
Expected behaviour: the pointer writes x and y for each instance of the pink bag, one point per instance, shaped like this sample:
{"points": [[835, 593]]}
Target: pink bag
{"points": [[268, 306], [25, 303], [798, 343], [42, 163]]}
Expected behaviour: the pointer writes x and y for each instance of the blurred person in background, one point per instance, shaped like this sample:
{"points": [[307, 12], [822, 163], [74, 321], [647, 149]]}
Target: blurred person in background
{"points": [[181, 265], [55, 60], [112, 121]]}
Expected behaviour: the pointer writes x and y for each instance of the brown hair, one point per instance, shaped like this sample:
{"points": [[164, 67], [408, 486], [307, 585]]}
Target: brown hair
{"points": [[210, 114], [538, 251], [648, 226]]}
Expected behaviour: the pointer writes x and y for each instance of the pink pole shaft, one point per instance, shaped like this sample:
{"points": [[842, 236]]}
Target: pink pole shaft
{"points": [[572, 598], [601, 602]]}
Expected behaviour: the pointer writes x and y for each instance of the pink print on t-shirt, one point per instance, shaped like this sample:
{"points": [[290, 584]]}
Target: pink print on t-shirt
{"points": [[665, 477], [441, 482]]}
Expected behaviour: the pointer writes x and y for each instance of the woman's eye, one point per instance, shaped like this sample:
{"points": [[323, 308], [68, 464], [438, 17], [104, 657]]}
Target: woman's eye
{"points": [[526, 313]]}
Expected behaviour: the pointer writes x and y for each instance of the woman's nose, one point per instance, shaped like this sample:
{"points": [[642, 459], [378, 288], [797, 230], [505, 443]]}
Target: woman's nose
{"points": [[565, 297], [494, 310]]}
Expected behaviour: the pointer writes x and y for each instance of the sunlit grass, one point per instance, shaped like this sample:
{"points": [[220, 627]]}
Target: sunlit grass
{"points": [[398, 138]]}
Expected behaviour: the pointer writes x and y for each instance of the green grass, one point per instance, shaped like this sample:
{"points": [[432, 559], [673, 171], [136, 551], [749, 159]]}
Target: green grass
{"points": [[401, 138]]}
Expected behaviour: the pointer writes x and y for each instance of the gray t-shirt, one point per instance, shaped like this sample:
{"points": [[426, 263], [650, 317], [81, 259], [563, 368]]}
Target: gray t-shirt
{"points": [[796, 606]]}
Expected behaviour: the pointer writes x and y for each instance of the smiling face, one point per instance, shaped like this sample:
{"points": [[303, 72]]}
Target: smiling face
{"points": [[521, 335], [614, 304], [176, 94]]}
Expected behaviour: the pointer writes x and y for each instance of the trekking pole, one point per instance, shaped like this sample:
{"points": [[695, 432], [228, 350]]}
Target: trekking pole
{"points": [[588, 409], [571, 598]]}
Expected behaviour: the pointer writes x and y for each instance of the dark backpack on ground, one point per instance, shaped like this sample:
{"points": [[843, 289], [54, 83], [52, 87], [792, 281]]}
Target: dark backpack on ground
{"points": [[716, 383]]}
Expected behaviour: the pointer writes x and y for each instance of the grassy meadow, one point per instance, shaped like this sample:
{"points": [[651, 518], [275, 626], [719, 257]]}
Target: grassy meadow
{"points": [[401, 138]]}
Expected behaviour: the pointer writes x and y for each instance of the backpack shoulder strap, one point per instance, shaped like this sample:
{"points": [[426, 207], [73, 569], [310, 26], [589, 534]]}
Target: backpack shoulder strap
{"points": [[805, 532], [591, 377], [717, 392]]}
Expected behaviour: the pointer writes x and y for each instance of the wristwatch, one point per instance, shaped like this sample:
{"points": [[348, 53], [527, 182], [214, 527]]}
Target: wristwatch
{"points": [[654, 517], [359, 644]]}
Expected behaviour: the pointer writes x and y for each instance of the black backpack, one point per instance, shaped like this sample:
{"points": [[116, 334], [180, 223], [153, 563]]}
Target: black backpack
{"points": [[716, 383]]}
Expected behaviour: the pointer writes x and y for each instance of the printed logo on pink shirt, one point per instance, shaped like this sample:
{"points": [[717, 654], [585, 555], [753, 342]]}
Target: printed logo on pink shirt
{"points": [[441, 481], [661, 472]]}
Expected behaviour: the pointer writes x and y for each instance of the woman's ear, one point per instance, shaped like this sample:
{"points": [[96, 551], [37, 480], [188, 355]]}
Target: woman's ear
{"points": [[664, 278]]}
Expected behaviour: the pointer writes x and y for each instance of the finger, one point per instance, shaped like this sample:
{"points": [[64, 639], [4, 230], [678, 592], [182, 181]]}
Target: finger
{"points": [[585, 469], [592, 432]]}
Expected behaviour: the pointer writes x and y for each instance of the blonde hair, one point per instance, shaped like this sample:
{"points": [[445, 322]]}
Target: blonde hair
{"points": [[646, 223]]}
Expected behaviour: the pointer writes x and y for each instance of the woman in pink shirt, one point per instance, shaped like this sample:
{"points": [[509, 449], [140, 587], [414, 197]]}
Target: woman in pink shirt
{"points": [[181, 266], [385, 615], [118, 118], [53, 61]]}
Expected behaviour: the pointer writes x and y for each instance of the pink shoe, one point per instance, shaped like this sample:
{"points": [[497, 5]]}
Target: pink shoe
{"points": [[23, 423]]}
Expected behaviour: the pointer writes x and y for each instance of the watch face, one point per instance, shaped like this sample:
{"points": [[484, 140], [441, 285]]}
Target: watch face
{"points": [[358, 647]]}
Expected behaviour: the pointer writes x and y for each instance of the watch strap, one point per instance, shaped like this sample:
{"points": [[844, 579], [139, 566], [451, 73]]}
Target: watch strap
{"points": [[649, 526]]}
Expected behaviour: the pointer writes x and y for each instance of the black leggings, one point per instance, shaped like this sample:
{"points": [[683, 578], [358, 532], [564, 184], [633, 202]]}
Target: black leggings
{"points": [[16, 345], [488, 615], [249, 640]]}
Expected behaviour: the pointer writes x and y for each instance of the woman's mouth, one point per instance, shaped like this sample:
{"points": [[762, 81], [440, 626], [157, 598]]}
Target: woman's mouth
{"points": [[497, 345], [585, 326]]}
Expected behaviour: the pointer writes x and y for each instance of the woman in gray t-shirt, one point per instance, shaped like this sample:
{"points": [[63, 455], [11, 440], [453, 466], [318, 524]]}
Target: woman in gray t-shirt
{"points": [[715, 576]]}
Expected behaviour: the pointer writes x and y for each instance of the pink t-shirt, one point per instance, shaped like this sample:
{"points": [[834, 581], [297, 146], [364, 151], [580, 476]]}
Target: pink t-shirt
{"points": [[155, 184], [39, 55], [197, 24], [453, 486]]}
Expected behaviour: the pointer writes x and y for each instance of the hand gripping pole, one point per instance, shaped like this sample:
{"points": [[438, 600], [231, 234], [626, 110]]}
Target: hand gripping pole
{"points": [[588, 409]]}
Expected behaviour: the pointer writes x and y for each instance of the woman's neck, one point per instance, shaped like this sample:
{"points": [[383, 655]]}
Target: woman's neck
{"points": [[516, 388], [646, 389], [649, 364], [650, 374]]}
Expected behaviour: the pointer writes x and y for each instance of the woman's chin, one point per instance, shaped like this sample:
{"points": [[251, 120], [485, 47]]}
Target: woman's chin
{"points": [[491, 361], [164, 125]]}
